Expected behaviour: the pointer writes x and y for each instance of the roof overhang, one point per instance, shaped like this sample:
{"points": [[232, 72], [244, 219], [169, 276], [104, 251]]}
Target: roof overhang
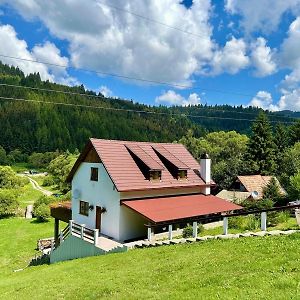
{"points": [[169, 209], [61, 211]]}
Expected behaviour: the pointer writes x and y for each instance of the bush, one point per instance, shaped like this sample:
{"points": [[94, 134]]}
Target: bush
{"points": [[9, 179], [250, 222], [41, 208], [188, 230], [48, 181], [8, 203]]}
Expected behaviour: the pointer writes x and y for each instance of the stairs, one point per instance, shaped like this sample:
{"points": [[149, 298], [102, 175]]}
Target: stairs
{"points": [[109, 245]]}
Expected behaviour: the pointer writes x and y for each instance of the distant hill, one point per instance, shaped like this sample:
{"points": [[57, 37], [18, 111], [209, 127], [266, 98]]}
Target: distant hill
{"points": [[45, 127]]}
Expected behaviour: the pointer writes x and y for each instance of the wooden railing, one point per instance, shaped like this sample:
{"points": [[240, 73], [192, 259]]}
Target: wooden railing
{"points": [[83, 232]]}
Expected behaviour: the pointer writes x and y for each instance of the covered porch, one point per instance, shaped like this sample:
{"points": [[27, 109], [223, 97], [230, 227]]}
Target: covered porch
{"points": [[169, 212], [61, 211]]}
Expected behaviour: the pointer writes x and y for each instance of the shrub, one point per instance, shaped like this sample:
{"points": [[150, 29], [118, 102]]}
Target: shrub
{"points": [[48, 181], [8, 203], [9, 179], [188, 230], [41, 208], [250, 222]]}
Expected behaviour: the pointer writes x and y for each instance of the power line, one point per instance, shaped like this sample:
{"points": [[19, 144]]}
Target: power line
{"points": [[129, 77], [151, 20], [102, 97], [131, 110]]}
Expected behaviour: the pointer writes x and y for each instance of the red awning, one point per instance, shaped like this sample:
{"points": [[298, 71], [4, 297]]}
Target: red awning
{"points": [[179, 207]]}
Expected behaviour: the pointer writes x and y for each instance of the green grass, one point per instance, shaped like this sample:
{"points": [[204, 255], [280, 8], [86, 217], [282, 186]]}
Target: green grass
{"points": [[40, 180], [246, 268], [21, 167], [27, 195]]}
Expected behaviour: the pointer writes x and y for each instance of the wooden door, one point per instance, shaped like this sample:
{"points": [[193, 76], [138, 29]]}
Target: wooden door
{"points": [[98, 218]]}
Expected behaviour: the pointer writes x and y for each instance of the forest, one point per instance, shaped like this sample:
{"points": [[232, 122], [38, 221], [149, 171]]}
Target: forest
{"points": [[45, 126]]}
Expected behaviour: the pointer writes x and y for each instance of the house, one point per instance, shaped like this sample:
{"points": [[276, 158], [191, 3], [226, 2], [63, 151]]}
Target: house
{"points": [[248, 186], [130, 190]]}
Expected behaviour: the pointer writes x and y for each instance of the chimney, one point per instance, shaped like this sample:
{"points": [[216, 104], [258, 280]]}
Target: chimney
{"points": [[205, 173]]}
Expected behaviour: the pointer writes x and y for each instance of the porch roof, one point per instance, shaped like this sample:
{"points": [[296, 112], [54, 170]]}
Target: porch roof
{"points": [[163, 209], [61, 211]]}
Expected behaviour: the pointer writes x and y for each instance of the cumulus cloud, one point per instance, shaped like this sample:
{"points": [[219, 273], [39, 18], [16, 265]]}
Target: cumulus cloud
{"points": [[262, 58], [290, 100], [232, 58], [47, 52], [105, 91], [263, 100], [110, 40], [261, 15], [172, 98]]}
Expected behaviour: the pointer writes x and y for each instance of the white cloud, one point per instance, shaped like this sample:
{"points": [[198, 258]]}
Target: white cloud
{"points": [[262, 58], [261, 15], [232, 58], [110, 40], [105, 91], [263, 100], [172, 98], [15, 47]]}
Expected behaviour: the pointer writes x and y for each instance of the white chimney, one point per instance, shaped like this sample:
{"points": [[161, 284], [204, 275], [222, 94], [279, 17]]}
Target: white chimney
{"points": [[205, 173]]}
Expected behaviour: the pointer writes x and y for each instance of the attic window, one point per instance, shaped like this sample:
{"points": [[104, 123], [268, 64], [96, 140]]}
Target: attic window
{"points": [[94, 174], [182, 174], [154, 175]]}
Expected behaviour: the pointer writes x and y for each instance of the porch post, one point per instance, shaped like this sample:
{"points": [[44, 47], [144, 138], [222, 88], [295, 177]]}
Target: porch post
{"points": [[82, 231], [263, 221], [70, 226], [170, 232], [195, 229], [225, 225], [149, 233], [56, 230], [61, 238], [96, 235]]}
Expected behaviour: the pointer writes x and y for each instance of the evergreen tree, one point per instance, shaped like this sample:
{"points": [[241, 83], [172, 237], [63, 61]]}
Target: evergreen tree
{"points": [[261, 146]]}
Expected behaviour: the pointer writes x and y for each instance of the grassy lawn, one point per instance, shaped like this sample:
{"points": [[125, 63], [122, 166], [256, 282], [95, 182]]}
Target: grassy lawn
{"points": [[27, 195], [40, 180], [246, 268], [21, 167]]}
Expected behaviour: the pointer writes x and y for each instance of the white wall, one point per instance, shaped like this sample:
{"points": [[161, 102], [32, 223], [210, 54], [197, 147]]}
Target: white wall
{"points": [[132, 225], [97, 193]]}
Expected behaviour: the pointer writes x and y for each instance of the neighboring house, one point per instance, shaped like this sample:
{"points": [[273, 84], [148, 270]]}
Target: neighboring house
{"points": [[248, 186], [128, 189]]}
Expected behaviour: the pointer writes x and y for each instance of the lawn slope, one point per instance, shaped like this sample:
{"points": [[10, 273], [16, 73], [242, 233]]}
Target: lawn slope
{"points": [[249, 268]]}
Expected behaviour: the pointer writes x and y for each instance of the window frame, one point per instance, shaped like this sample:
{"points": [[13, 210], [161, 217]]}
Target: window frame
{"points": [[94, 176], [84, 208]]}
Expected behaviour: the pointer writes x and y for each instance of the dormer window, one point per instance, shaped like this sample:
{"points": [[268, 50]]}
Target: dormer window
{"points": [[154, 175], [94, 174], [182, 174]]}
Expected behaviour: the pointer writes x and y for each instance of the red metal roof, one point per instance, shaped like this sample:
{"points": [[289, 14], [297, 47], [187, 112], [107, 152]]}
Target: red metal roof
{"points": [[179, 207], [127, 176]]}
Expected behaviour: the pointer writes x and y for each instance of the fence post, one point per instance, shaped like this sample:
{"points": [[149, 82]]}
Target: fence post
{"points": [[82, 230], [263, 222], [195, 229], [96, 235], [52, 246], [170, 232], [70, 225], [225, 225]]}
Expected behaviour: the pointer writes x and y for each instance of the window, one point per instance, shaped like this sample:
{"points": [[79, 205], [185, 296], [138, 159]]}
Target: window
{"points": [[182, 174], [84, 208], [94, 174], [155, 175]]}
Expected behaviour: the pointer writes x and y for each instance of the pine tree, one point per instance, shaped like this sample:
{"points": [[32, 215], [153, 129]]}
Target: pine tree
{"points": [[261, 146]]}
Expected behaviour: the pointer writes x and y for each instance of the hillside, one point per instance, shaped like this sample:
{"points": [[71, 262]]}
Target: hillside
{"points": [[209, 270], [46, 127]]}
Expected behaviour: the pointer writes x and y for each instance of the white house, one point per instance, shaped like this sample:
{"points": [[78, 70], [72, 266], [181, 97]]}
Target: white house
{"points": [[122, 187]]}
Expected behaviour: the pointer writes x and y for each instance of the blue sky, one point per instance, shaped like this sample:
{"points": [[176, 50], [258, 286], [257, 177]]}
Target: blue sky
{"points": [[231, 52]]}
